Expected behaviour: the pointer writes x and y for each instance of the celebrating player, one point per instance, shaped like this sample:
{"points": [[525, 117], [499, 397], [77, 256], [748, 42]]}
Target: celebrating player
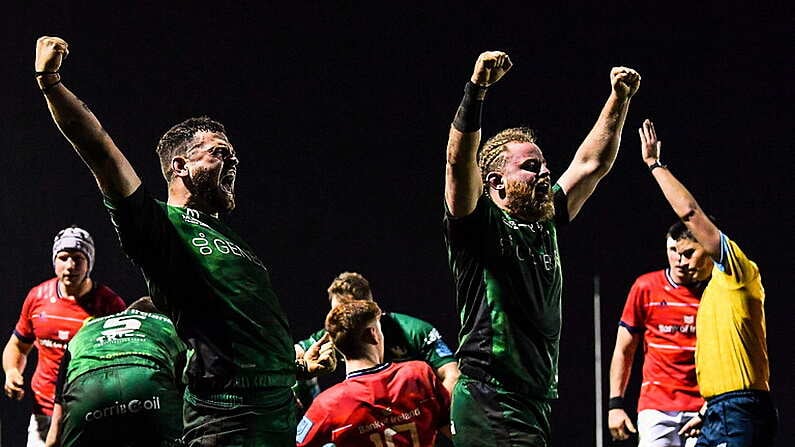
{"points": [[199, 271], [502, 211]]}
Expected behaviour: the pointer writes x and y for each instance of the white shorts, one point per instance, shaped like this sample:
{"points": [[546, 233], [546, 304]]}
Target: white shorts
{"points": [[37, 430], [661, 428]]}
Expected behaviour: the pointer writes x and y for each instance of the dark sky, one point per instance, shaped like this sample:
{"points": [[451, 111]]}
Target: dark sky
{"points": [[339, 114]]}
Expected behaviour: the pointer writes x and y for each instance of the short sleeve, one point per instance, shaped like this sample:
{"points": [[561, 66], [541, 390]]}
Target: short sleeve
{"points": [[24, 328], [634, 316]]}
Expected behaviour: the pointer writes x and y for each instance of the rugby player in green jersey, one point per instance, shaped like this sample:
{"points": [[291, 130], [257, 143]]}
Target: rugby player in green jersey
{"points": [[405, 337], [121, 373], [502, 210], [241, 365]]}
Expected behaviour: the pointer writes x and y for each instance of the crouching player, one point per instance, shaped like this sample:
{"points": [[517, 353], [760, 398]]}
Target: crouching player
{"points": [[118, 383]]}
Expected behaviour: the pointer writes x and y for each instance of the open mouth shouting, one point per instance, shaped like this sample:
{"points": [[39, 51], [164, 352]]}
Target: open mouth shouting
{"points": [[227, 182]]}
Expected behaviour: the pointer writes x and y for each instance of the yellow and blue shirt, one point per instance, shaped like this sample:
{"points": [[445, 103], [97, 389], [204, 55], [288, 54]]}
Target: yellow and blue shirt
{"points": [[731, 348]]}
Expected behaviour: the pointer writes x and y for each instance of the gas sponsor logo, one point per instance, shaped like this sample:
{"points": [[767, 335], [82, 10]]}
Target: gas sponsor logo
{"points": [[121, 408]]}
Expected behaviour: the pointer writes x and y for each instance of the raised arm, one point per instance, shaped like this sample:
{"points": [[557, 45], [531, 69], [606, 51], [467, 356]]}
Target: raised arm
{"points": [[114, 174], [680, 199], [463, 185], [596, 154], [620, 368]]}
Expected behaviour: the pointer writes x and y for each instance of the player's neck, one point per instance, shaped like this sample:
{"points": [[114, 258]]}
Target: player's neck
{"points": [[75, 291], [369, 360], [180, 196]]}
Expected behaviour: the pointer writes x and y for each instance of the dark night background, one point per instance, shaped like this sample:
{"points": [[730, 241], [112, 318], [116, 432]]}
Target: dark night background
{"points": [[339, 113]]}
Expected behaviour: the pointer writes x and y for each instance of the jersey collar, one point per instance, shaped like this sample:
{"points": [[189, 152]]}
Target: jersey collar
{"points": [[370, 370]]}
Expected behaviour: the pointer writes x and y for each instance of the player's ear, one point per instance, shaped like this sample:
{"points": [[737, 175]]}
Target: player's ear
{"points": [[178, 166], [494, 180], [370, 335]]}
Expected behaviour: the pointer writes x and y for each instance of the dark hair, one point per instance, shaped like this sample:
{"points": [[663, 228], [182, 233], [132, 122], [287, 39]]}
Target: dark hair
{"points": [[346, 324], [350, 285], [144, 304], [679, 230], [174, 141], [491, 157]]}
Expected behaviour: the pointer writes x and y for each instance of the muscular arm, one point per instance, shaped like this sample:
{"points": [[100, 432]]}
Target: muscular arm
{"points": [[683, 203], [598, 151], [620, 368], [448, 374], [463, 184], [15, 356], [114, 174]]}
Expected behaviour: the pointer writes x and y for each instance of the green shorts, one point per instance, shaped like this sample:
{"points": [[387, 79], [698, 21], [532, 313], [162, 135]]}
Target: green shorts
{"points": [[485, 414], [249, 418], [122, 406]]}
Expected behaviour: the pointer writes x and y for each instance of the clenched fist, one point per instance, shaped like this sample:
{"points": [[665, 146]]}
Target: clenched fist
{"points": [[625, 81], [50, 53], [490, 67]]}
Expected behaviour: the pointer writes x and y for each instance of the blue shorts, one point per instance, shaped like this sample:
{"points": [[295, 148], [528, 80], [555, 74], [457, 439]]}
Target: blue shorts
{"points": [[744, 418]]}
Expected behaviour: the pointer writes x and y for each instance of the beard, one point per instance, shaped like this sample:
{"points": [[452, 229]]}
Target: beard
{"points": [[206, 190], [524, 204]]}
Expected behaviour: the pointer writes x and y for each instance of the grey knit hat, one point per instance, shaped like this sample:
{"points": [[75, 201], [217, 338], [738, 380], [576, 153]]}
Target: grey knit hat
{"points": [[74, 238]]}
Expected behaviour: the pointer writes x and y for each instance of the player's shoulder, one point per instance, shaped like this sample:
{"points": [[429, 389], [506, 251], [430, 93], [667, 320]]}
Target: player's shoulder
{"points": [[651, 279], [43, 291], [407, 322], [413, 367], [45, 286]]}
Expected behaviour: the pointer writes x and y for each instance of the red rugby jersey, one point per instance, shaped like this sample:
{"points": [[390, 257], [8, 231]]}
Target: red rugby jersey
{"points": [[50, 321], [665, 313], [392, 404]]}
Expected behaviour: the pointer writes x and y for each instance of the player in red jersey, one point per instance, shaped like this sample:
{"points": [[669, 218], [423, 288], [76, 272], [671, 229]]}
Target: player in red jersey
{"points": [[51, 314], [379, 404], [661, 309]]}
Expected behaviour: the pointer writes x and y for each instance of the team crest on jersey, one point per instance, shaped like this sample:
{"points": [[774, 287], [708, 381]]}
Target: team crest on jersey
{"points": [[689, 319], [63, 335]]}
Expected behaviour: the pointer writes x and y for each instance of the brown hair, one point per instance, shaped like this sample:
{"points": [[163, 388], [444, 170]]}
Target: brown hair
{"points": [[174, 142], [350, 286], [346, 324]]}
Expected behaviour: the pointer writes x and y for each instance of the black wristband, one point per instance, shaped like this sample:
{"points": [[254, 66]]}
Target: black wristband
{"points": [[615, 403], [656, 165], [467, 117], [702, 415], [40, 73]]}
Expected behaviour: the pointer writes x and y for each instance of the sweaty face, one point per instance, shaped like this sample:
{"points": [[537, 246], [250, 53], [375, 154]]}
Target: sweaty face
{"points": [[528, 188], [71, 268], [212, 169], [688, 261]]}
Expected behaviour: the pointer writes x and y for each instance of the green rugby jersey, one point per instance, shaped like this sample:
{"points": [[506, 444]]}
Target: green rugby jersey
{"points": [[508, 283], [405, 338], [216, 290], [130, 337]]}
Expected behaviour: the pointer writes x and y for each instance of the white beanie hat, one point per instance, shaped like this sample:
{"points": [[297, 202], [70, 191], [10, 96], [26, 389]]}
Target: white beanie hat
{"points": [[74, 238]]}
